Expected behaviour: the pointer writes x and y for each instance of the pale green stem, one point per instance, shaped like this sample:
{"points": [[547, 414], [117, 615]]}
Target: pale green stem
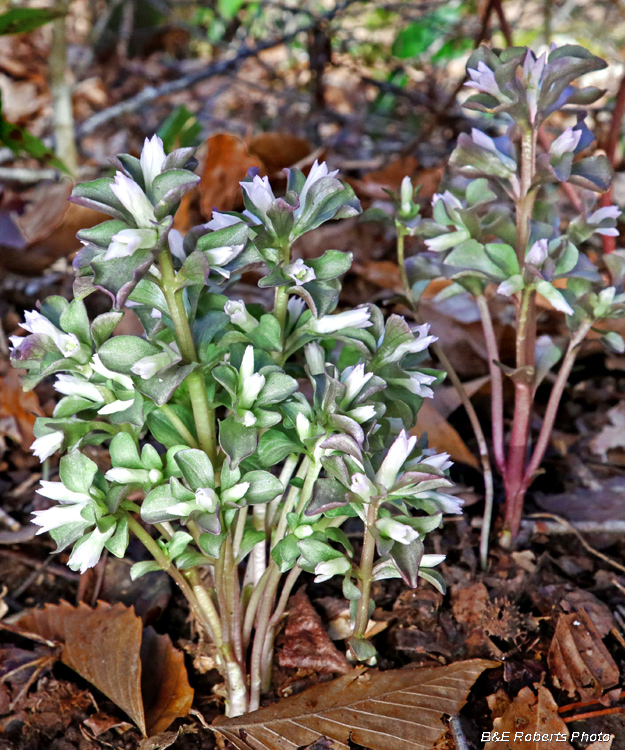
{"points": [[179, 426], [239, 530], [203, 415], [289, 503], [366, 572], [285, 478]]}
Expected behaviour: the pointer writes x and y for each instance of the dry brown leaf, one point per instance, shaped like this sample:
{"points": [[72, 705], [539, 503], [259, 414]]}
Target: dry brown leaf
{"points": [[469, 603], [533, 715], [306, 642], [278, 150], [227, 163], [442, 436], [394, 710], [383, 273], [612, 435], [18, 410], [601, 744], [137, 669], [578, 659]]}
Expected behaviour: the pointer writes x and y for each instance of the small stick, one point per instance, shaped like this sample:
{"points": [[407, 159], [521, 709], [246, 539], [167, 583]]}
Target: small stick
{"points": [[593, 714], [584, 543]]}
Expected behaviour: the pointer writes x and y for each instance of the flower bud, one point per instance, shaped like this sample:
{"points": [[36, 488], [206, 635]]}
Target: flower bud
{"points": [[239, 316], [46, 445], [336, 566], [397, 531], [394, 459], [356, 318], [134, 200]]}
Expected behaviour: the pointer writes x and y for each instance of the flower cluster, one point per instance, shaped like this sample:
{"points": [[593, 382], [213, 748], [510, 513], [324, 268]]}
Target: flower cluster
{"points": [[216, 444]]}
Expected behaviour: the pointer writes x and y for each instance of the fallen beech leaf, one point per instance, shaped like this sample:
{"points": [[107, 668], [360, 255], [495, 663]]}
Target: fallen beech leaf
{"points": [[227, 163], [101, 722], [394, 710], [578, 659], [136, 668], [469, 603], [18, 410], [278, 150], [306, 642], [383, 273], [531, 714], [612, 435], [442, 436]]}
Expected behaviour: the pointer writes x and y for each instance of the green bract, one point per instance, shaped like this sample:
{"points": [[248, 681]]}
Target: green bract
{"points": [[235, 433]]}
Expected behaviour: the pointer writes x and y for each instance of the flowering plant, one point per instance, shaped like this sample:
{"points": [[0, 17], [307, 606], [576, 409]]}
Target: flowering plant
{"points": [[489, 236], [217, 454]]}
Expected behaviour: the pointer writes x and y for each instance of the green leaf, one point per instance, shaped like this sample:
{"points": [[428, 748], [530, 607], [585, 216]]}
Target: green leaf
{"points": [[121, 352], [181, 129], [118, 543], [20, 141], [236, 440], [264, 487], [416, 38], [196, 468], [76, 471], [154, 507], [74, 319], [274, 446], [124, 452], [433, 577], [251, 538], [470, 255], [141, 568], [103, 326], [315, 551], [22, 20], [331, 264], [267, 335]]}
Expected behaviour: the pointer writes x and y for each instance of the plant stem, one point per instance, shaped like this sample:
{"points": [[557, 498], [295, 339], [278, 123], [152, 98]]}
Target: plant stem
{"points": [[281, 298], [496, 383], [554, 400], [262, 625], [401, 234], [366, 572], [203, 415], [62, 110], [179, 426]]}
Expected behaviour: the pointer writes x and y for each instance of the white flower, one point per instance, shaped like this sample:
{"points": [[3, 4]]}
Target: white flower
{"points": [[317, 172], [448, 503], [259, 192], [446, 241], [336, 566], [419, 344], [483, 79], [148, 366], [58, 515], [511, 286], [152, 159], [566, 142], [533, 70], [394, 459], [362, 413], [176, 245], [606, 212], [221, 221], [239, 316], [46, 445], [221, 256], [417, 383], [429, 561], [303, 426], [134, 200], [355, 379], [356, 318], [315, 357], [538, 253], [363, 487], [125, 243], [397, 531], [603, 214], [438, 461], [66, 343], [70, 385], [58, 491], [486, 142], [299, 272], [247, 364], [207, 499], [87, 551], [124, 380], [448, 198], [406, 194], [236, 493], [133, 476], [252, 386], [116, 406], [295, 307]]}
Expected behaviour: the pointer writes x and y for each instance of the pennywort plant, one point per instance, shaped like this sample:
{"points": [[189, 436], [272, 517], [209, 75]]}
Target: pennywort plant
{"points": [[491, 237], [241, 438]]}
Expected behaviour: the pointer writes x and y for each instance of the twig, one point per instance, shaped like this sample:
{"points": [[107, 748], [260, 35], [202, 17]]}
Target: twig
{"points": [[593, 714], [150, 93], [583, 542], [62, 112]]}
